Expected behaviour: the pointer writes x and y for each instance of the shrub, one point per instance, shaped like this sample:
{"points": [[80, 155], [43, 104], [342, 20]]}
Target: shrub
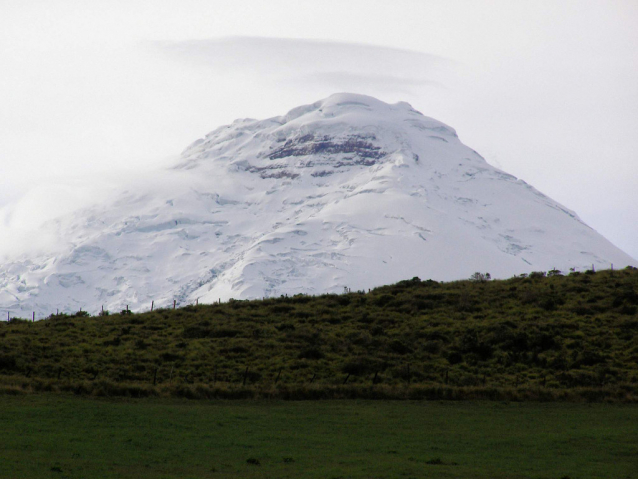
{"points": [[360, 366], [197, 332], [383, 300], [7, 362], [481, 277], [224, 333], [537, 275], [311, 353], [170, 357], [399, 347]]}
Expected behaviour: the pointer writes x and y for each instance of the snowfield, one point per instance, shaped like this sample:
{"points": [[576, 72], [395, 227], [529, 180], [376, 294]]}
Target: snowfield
{"points": [[347, 192]]}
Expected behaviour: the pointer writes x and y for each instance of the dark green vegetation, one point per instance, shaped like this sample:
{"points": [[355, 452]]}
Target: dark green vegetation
{"points": [[538, 337], [53, 436]]}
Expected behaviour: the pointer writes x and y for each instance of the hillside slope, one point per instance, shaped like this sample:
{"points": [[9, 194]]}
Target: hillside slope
{"points": [[554, 333]]}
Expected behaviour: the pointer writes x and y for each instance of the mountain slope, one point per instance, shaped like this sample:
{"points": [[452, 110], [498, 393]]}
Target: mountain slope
{"points": [[346, 192]]}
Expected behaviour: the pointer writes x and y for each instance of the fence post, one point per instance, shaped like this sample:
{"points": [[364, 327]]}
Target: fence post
{"points": [[174, 303], [33, 318], [152, 305]]}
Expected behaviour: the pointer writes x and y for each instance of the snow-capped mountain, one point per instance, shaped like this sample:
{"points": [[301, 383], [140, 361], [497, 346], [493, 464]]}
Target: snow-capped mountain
{"points": [[346, 192]]}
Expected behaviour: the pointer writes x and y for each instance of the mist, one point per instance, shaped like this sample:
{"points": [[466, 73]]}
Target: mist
{"points": [[92, 97]]}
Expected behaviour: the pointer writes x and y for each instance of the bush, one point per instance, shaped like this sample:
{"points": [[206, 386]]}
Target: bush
{"points": [[7, 362], [399, 347], [481, 277], [311, 353], [537, 275], [360, 366], [224, 333], [197, 332]]}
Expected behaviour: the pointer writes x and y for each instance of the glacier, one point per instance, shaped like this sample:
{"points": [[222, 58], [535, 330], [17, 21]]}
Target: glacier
{"points": [[346, 193]]}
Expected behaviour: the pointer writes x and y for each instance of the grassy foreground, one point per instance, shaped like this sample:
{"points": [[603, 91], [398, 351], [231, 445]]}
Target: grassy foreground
{"points": [[56, 436]]}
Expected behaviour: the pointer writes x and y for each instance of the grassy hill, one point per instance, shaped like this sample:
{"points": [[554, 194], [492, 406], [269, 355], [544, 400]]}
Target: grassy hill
{"points": [[542, 336]]}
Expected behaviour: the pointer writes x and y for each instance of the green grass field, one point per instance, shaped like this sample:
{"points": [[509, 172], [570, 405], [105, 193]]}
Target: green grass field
{"points": [[57, 436]]}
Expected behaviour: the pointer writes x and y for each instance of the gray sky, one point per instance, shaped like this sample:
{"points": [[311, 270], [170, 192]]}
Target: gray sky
{"points": [[92, 92]]}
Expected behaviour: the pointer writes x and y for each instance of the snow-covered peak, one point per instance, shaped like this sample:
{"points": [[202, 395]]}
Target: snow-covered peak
{"points": [[361, 110], [348, 191], [342, 131]]}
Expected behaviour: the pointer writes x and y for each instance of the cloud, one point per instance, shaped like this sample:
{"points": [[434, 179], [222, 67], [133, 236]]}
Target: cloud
{"points": [[338, 65], [345, 81]]}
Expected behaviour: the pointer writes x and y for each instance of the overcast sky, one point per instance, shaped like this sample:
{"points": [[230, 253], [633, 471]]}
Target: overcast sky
{"points": [[91, 92]]}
